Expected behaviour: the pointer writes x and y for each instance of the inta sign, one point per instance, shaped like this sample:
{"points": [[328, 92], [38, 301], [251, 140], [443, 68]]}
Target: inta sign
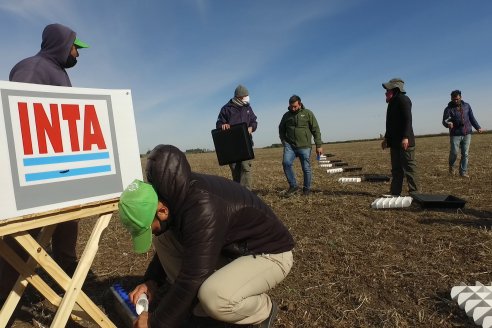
{"points": [[64, 146]]}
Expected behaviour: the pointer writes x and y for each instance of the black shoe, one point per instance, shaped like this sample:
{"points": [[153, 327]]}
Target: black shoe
{"points": [[268, 322], [306, 191]]}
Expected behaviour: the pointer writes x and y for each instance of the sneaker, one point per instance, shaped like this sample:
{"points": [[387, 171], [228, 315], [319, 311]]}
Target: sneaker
{"points": [[452, 171], [465, 175], [292, 190], [268, 322]]}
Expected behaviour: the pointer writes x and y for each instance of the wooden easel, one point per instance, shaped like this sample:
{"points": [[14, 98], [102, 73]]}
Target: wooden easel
{"points": [[75, 302]]}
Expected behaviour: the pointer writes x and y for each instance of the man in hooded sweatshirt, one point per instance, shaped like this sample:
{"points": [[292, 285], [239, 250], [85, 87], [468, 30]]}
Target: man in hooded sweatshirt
{"points": [[59, 51], [238, 110], [215, 241], [399, 137]]}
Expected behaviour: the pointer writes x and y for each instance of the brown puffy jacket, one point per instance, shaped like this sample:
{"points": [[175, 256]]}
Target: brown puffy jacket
{"points": [[210, 216]]}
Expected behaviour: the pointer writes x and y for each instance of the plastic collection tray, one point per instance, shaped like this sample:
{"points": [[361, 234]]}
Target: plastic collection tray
{"points": [[476, 301], [438, 201], [233, 145], [123, 306], [392, 202]]}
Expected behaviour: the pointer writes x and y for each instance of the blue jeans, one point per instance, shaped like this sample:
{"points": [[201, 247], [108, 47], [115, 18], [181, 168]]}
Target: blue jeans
{"points": [[304, 155], [462, 143]]}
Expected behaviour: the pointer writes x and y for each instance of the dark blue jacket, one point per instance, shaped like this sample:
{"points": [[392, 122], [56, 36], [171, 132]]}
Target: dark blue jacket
{"points": [[47, 66], [462, 120], [232, 113]]}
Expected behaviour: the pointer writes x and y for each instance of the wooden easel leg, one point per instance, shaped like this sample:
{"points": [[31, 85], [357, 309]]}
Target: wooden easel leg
{"points": [[16, 261], [21, 283], [80, 274], [92, 312]]}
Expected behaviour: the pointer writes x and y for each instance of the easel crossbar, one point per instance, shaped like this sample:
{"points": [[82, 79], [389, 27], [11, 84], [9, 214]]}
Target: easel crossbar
{"points": [[44, 219]]}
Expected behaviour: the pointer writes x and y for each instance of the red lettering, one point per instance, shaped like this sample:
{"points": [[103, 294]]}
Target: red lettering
{"points": [[71, 114], [92, 129], [25, 128], [46, 128]]}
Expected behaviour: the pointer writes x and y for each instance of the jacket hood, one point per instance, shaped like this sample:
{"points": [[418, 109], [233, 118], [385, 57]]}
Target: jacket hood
{"points": [[169, 172], [57, 42]]}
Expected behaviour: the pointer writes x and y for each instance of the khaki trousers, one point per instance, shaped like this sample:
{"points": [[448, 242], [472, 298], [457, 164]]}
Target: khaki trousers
{"points": [[241, 173], [236, 291]]}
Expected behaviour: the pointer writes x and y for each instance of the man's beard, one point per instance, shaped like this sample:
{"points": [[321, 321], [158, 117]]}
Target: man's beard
{"points": [[71, 61]]}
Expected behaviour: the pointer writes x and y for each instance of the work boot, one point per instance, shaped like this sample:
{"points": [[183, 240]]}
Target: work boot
{"points": [[306, 191], [268, 322]]}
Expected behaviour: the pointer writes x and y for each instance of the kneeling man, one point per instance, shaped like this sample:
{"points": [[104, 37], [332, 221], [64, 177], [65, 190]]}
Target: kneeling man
{"points": [[215, 242]]}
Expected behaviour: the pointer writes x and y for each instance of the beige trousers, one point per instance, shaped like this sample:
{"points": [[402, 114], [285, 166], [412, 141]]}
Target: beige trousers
{"points": [[236, 291]]}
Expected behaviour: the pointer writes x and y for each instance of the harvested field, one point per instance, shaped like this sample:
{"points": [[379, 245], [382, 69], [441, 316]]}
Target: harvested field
{"points": [[354, 266]]}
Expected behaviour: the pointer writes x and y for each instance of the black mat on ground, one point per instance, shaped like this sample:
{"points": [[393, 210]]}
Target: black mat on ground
{"points": [[376, 178], [338, 164], [438, 201], [350, 169]]}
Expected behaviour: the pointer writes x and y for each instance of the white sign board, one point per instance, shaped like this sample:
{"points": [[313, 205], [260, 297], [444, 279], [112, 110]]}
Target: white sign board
{"points": [[63, 146]]}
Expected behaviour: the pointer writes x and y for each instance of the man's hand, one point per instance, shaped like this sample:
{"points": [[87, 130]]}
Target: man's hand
{"points": [[250, 130], [142, 321], [226, 126], [384, 144], [149, 287], [480, 130], [404, 144], [450, 125], [319, 151]]}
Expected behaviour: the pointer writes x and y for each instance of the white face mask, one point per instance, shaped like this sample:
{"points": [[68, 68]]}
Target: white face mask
{"points": [[245, 100]]}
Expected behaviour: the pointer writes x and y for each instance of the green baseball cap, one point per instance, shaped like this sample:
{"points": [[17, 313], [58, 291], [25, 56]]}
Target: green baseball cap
{"points": [[80, 44], [137, 208]]}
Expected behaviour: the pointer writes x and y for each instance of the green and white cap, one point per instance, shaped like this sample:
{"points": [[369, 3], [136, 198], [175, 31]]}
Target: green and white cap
{"points": [[80, 44], [137, 208]]}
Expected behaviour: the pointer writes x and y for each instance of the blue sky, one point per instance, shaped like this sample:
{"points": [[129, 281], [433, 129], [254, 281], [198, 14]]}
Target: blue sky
{"points": [[183, 59]]}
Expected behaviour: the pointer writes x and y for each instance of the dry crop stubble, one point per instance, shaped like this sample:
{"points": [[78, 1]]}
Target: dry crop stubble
{"points": [[354, 266]]}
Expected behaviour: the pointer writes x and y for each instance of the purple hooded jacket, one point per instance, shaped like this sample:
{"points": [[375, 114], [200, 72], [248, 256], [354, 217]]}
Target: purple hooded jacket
{"points": [[462, 120], [48, 65]]}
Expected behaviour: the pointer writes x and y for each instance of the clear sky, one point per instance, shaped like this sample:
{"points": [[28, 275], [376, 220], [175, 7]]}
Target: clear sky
{"points": [[182, 59]]}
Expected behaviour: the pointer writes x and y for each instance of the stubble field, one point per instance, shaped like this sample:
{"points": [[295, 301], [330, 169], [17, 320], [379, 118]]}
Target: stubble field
{"points": [[354, 266]]}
